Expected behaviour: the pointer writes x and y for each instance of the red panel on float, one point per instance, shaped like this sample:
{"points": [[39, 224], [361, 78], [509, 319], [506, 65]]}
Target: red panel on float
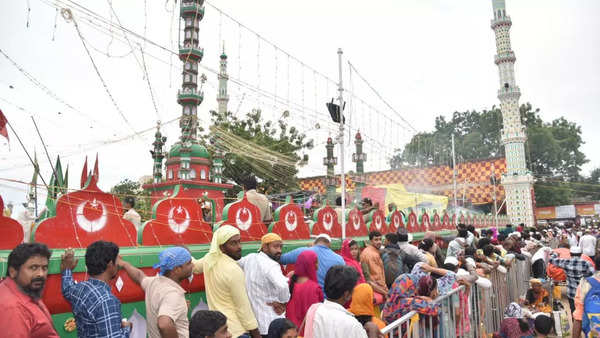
{"points": [[11, 231], [326, 223], [377, 222], [355, 226], [289, 222], [412, 225], [246, 217], [177, 220], [85, 216], [395, 221]]}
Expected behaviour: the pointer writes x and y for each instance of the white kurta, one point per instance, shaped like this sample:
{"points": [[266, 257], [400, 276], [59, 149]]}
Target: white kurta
{"points": [[333, 321]]}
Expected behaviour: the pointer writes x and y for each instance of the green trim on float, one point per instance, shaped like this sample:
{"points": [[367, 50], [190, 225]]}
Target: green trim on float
{"points": [[126, 309]]}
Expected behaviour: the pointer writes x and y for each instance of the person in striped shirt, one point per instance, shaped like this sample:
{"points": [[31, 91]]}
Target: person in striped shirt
{"points": [[267, 287]]}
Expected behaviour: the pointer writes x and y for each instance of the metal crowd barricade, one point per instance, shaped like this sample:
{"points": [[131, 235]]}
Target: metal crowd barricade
{"points": [[401, 328], [485, 308]]}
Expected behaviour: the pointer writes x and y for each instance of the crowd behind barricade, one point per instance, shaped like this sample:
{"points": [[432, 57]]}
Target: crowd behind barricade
{"points": [[506, 283]]}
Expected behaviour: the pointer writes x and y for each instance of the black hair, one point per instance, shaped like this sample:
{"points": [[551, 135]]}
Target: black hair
{"points": [[363, 319], [525, 235], [450, 267], [98, 255], [22, 252], [501, 237], [338, 201], [130, 200], [205, 323], [461, 226], [392, 237], [471, 228], [483, 242], [470, 251], [464, 233], [488, 250], [426, 244], [543, 324], [279, 327], [250, 183], [352, 242], [338, 280], [367, 200], [509, 225], [374, 234]]}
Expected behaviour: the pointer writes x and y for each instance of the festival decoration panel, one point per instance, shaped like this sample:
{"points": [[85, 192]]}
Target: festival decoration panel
{"points": [[437, 221], [473, 180], [377, 222], [412, 223], [395, 220], [355, 224], [246, 217], [85, 216], [326, 222], [176, 220], [424, 221], [289, 222], [11, 231], [446, 221]]}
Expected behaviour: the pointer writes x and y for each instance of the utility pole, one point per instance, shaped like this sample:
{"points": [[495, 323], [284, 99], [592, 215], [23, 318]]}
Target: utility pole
{"points": [[454, 178], [341, 140], [494, 184]]}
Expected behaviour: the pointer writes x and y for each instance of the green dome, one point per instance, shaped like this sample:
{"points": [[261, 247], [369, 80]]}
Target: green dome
{"points": [[197, 151]]}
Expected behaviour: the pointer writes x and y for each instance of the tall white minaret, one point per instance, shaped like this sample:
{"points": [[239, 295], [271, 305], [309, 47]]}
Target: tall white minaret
{"points": [[518, 180], [222, 97]]}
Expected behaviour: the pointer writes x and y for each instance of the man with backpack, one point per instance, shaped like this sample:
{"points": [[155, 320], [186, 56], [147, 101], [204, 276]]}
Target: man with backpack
{"points": [[393, 265], [586, 317]]}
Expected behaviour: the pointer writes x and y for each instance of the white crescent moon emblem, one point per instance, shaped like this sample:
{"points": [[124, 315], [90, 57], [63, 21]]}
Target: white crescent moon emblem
{"points": [[355, 222], [243, 225], [328, 225], [396, 221], [179, 227], [291, 226], [378, 222], [86, 224]]}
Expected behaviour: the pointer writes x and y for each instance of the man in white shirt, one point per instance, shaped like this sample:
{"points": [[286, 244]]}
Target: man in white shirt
{"points": [[267, 287], [331, 319], [587, 243], [132, 215], [404, 239]]}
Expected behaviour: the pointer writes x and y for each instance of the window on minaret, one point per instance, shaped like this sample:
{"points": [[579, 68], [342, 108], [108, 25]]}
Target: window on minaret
{"points": [[192, 174], [202, 174]]}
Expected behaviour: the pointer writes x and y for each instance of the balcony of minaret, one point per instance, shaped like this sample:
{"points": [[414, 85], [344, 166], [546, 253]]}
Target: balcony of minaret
{"points": [[190, 80], [329, 161], [190, 52], [505, 57], [189, 95], [501, 21], [192, 9], [506, 93], [190, 67], [513, 135]]}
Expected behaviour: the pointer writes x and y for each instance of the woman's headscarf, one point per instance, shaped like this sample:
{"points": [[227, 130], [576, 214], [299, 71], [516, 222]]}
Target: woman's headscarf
{"points": [[306, 265], [362, 301], [280, 326], [350, 261], [222, 235], [426, 286], [513, 310]]}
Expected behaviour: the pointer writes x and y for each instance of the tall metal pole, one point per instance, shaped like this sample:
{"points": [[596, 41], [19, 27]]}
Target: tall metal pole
{"points": [[454, 178], [495, 203], [341, 140]]}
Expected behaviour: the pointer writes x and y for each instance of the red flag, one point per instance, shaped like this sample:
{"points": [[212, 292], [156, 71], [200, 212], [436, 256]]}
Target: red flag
{"points": [[3, 122]]}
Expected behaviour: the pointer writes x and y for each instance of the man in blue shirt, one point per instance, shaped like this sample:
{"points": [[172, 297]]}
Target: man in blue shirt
{"points": [[327, 258], [97, 311]]}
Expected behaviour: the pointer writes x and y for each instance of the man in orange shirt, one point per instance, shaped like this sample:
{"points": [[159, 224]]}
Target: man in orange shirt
{"points": [[371, 257]]}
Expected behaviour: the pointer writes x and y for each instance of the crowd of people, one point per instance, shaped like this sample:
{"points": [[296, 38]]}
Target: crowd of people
{"points": [[352, 294]]}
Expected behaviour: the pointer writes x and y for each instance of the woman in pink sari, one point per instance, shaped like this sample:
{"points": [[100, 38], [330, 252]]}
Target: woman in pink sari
{"points": [[350, 252], [304, 288]]}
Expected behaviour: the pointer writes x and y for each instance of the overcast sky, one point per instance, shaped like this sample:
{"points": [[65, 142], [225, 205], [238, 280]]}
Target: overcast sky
{"points": [[425, 57]]}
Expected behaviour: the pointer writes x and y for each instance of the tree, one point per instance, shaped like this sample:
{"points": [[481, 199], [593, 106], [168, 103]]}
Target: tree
{"points": [[128, 187], [552, 149], [276, 172]]}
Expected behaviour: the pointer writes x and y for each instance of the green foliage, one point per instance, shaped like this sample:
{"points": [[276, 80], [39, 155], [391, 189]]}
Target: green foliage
{"points": [[128, 187], [278, 137], [552, 150]]}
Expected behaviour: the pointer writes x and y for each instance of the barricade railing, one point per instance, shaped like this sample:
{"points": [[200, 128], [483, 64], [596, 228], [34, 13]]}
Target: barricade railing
{"points": [[479, 314]]}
